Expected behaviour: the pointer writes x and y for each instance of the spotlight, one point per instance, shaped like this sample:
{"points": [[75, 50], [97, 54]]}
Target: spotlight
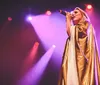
{"points": [[53, 46], [9, 18], [89, 6], [36, 43], [29, 18], [48, 12]]}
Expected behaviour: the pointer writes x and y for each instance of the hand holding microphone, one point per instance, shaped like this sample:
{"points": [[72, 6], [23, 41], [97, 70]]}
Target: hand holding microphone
{"points": [[67, 14], [63, 12]]}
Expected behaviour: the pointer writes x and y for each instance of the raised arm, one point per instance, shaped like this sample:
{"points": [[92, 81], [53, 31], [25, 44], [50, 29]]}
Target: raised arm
{"points": [[68, 22]]}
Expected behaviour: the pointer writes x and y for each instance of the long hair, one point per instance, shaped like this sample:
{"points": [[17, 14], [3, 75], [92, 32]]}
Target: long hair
{"points": [[84, 15]]}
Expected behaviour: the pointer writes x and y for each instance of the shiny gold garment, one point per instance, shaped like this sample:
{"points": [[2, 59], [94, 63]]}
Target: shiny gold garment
{"points": [[81, 63]]}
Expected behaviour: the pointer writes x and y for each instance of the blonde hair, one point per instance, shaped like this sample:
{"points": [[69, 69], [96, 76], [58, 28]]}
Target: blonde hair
{"points": [[84, 14]]}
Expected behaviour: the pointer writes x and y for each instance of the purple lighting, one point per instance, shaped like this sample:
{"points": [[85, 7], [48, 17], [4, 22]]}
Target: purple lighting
{"points": [[34, 74], [53, 46], [29, 18], [52, 32]]}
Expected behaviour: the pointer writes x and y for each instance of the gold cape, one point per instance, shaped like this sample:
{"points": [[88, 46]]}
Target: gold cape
{"points": [[80, 63]]}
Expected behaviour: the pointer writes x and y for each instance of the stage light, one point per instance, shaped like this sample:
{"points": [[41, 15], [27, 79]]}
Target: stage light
{"points": [[29, 18], [48, 12], [53, 46], [9, 18], [89, 6]]}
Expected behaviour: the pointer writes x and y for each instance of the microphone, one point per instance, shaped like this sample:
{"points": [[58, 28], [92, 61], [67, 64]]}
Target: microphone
{"points": [[62, 12]]}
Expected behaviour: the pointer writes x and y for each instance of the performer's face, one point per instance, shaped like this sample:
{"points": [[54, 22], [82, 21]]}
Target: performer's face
{"points": [[77, 16]]}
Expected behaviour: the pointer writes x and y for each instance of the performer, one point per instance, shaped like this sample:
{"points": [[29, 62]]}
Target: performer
{"points": [[80, 63]]}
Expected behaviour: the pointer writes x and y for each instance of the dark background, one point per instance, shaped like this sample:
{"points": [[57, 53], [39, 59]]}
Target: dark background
{"points": [[18, 8]]}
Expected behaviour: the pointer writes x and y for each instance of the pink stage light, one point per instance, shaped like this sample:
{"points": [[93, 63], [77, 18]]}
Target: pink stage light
{"points": [[53, 46], [48, 12], [89, 6], [9, 18], [33, 76]]}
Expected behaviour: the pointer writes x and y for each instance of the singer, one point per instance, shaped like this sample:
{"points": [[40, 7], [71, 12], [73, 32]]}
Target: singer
{"points": [[80, 61]]}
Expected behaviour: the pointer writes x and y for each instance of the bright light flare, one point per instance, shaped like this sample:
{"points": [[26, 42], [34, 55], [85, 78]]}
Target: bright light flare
{"points": [[89, 6], [48, 12], [53, 46], [34, 74], [29, 18]]}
